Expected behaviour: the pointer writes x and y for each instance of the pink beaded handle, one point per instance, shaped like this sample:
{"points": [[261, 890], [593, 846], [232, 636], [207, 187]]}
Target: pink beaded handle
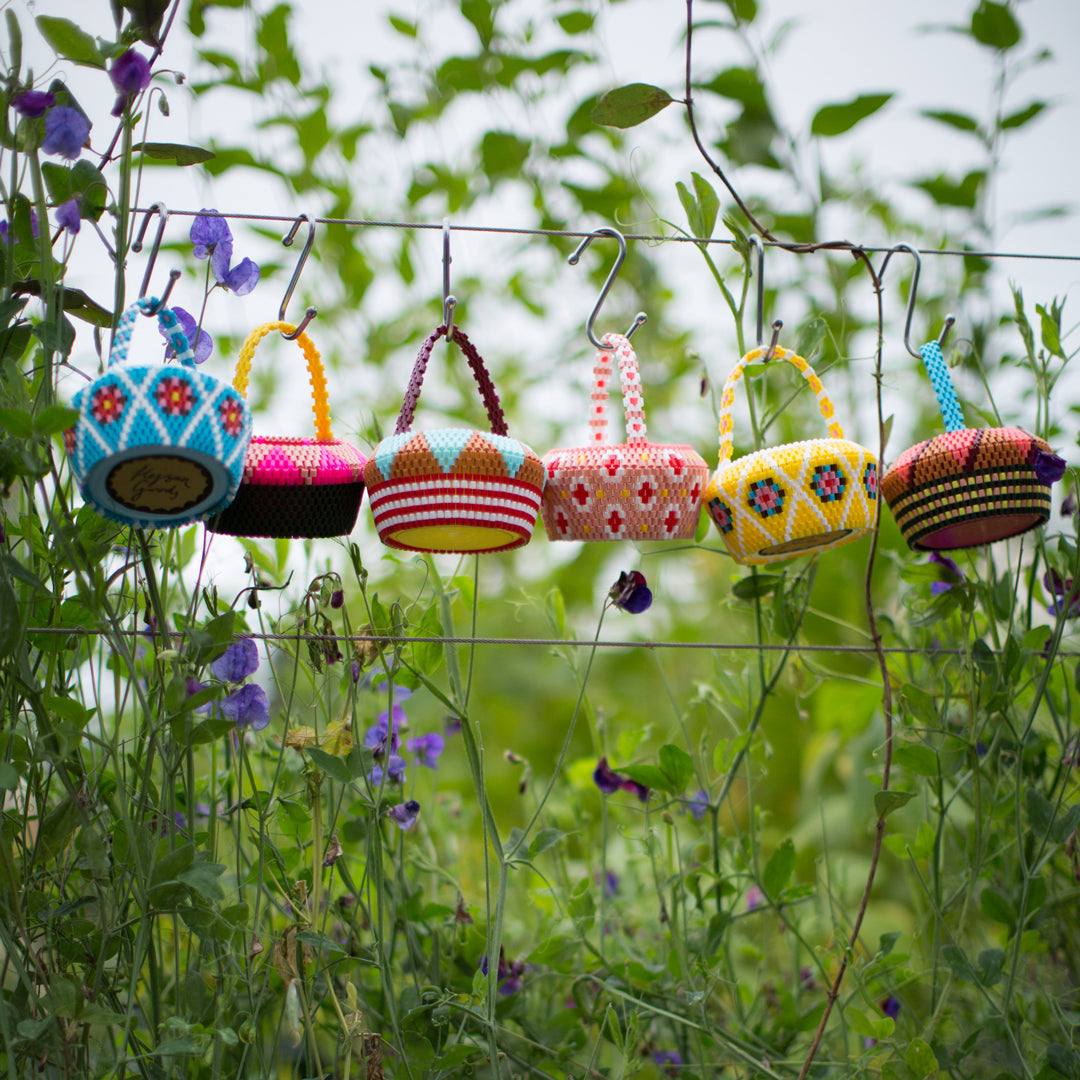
{"points": [[619, 347], [476, 364]]}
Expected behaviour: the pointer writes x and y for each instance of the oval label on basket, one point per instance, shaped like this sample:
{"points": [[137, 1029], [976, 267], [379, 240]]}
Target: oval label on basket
{"points": [[159, 483]]}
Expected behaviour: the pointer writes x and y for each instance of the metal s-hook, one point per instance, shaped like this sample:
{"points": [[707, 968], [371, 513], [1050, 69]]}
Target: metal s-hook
{"points": [[287, 240], [449, 302], [613, 274], [949, 319], [759, 325], [161, 210]]}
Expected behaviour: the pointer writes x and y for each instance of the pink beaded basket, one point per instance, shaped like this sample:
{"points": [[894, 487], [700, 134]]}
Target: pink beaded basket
{"points": [[636, 490], [294, 487], [453, 489]]}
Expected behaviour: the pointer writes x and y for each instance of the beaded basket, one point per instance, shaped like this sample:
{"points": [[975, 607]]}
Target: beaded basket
{"points": [[784, 501], [294, 487], [454, 489], [157, 444], [969, 486], [636, 490]]}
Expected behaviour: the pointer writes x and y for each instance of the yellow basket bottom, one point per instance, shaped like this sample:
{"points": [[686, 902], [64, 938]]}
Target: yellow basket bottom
{"points": [[461, 538]]}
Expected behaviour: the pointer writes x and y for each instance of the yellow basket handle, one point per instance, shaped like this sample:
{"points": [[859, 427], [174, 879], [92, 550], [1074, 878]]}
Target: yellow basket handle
{"points": [[320, 402], [727, 398]]}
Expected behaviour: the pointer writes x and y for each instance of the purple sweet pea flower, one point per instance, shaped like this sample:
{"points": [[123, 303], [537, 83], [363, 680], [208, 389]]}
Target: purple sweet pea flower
{"points": [[404, 814], [202, 348], [383, 736], [249, 707], [68, 217], [509, 975], [754, 898], [1049, 468], [130, 74], [891, 1007], [953, 575], [427, 749], [237, 662], [609, 781], [395, 771], [242, 278], [212, 238], [1066, 597], [1068, 505], [667, 1057], [611, 885], [66, 131], [631, 593], [33, 104], [337, 599], [698, 805]]}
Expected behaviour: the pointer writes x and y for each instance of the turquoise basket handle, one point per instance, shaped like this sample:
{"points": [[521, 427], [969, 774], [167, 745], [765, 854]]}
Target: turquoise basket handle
{"points": [[943, 386], [167, 320]]}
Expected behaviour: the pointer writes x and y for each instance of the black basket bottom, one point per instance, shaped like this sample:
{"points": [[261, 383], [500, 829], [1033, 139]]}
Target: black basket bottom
{"points": [[291, 511]]}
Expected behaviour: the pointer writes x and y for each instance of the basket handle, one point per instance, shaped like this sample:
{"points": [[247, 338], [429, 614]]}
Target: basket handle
{"points": [[947, 401], [617, 346], [167, 320], [480, 374], [317, 375], [727, 399]]}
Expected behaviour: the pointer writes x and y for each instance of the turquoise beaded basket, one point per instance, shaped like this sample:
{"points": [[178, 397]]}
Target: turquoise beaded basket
{"points": [[157, 444]]}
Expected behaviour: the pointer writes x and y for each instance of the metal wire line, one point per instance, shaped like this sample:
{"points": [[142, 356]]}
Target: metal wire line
{"points": [[575, 234], [391, 639]]}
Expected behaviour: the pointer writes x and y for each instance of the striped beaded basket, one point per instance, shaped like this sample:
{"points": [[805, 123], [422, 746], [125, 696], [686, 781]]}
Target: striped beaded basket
{"points": [[788, 500], [969, 486], [636, 490], [294, 487], [157, 444], [454, 489]]}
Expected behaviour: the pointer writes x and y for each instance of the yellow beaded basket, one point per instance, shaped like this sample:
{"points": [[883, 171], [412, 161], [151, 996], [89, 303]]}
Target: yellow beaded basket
{"points": [[794, 499]]}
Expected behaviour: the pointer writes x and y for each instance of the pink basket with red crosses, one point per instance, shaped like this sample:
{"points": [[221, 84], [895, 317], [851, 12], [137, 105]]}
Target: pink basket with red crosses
{"points": [[635, 490]]}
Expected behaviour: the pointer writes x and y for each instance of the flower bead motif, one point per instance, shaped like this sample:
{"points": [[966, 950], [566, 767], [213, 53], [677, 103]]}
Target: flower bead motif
{"points": [[869, 481], [615, 521], [766, 497], [107, 404], [231, 413], [562, 523], [613, 466], [672, 519], [647, 491], [720, 512], [175, 396], [580, 491], [829, 483]]}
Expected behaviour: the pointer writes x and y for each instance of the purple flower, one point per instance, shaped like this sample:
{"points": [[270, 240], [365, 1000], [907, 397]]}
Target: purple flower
{"points": [[355, 670], [453, 725], [754, 898], [404, 814], [667, 1057], [337, 598], [202, 348], [509, 975], [1068, 505], [66, 131], [806, 978], [1049, 468], [401, 693], [698, 805], [609, 781], [242, 278], [631, 593], [33, 104], [384, 735], [68, 217], [611, 885], [891, 1007], [952, 574], [249, 707], [1066, 597], [130, 74], [427, 749], [395, 771], [237, 662]]}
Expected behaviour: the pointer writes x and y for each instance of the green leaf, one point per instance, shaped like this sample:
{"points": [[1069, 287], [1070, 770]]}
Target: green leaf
{"points": [[403, 26], [334, 767], [946, 192], [173, 153], [991, 961], [146, 17], [628, 106], [203, 878], [778, 869], [17, 422], [959, 964], [743, 10], [1040, 812], [53, 419], [652, 776], [678, 767], [960, 121], [319, 941], [503, 154], [998, 907], [9, 775], [993, 24], [836, 119], [984, 658], [454, 1056], [1050, 329], [1064, 1060], [749, 588], [576, 22], [1021, 117], [885, 802], [921, 760], [545, 838], [920, 1059], [70, 41], [740, 84]]}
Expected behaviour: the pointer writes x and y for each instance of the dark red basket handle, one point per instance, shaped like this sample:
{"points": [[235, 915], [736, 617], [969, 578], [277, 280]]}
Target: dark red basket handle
{"points": [[483, 380]]}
